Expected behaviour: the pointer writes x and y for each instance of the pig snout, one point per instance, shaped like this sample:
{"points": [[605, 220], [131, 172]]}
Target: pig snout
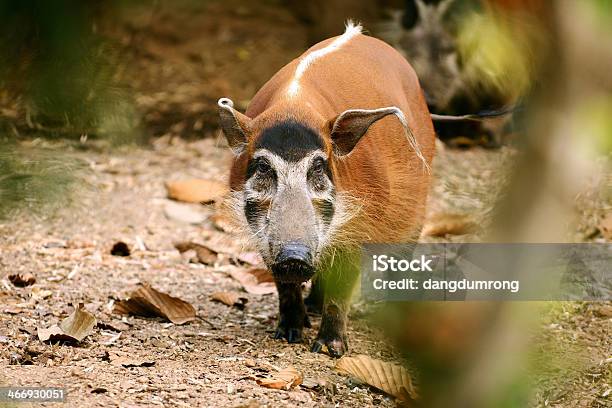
{"points": [[293, 263]]}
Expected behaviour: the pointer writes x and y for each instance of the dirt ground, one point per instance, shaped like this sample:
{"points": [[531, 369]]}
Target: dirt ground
{"points": [[213, 360], [198, 364]]}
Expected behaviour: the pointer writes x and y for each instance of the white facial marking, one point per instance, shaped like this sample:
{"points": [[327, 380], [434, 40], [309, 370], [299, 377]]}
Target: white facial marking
{"points": [[291, 182], [289, 173], [291, 176], [351, 31]]}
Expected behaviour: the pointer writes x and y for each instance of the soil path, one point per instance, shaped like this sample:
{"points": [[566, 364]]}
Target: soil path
{"points": [[208, 362]]}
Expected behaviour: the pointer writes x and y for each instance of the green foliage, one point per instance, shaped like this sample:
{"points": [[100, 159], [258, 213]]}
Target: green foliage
{"points": [[59, 78], [596, 122], [62, 74], [604, 8], [36, 182]]}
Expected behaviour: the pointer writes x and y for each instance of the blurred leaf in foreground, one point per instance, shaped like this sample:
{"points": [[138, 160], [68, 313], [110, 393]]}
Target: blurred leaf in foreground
{"points": [[35, 181], [60, 76]]}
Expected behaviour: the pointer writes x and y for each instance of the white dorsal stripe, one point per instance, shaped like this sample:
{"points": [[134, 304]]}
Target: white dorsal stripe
{"points": [[351, 31]]}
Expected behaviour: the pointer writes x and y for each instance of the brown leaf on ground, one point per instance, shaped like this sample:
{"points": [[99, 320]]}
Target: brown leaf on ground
{"points": [[223, 222], [54, 334], [39, 293], [12, 310], [22, 281], [230, 299], [204, 254], [441, 225], [149, 302], [120, 249], [79, 324], [263, 275], [196, 190], [72, 329], [388, 377], [251, 258], [258, 281], [183, 213], [606, 227], [284, 379]]}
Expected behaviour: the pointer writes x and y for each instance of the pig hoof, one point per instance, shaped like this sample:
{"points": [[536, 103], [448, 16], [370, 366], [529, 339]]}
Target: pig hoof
{"points": [[336, 347], [292, 335]]}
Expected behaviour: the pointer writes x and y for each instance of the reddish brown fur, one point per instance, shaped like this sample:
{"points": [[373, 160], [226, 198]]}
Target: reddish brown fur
{"points": [[382, 171]]}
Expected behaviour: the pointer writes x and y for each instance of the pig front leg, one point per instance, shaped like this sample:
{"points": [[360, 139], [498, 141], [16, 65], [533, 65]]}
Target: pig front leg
{"points": [[338, 285], [292, 312]]}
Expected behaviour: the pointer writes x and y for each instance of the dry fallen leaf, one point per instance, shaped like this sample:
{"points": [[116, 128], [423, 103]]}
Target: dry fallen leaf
{"points": [[146, 301], [222, 222], [258, 281], [251, 258], [204, 254], [53, 334], [230, 299], [196, 191], [263, 275], [183, 213], [72, 329], [12, 310], [284, 379], [79, 324], [38, 293], [22, 281], [441, 225], [388, 377]]}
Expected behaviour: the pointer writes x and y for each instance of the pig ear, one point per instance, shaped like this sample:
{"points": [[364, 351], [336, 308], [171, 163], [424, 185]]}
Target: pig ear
{"points": [[348, 128], [234, 124]]}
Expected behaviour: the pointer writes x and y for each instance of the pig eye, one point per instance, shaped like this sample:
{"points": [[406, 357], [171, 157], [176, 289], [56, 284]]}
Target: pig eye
{"points": [[318, 167], [317, 175], [263, 167]]}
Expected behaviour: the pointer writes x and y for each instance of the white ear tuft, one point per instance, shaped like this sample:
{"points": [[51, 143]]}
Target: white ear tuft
{"points": [[235, 125], [225, 103]]}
